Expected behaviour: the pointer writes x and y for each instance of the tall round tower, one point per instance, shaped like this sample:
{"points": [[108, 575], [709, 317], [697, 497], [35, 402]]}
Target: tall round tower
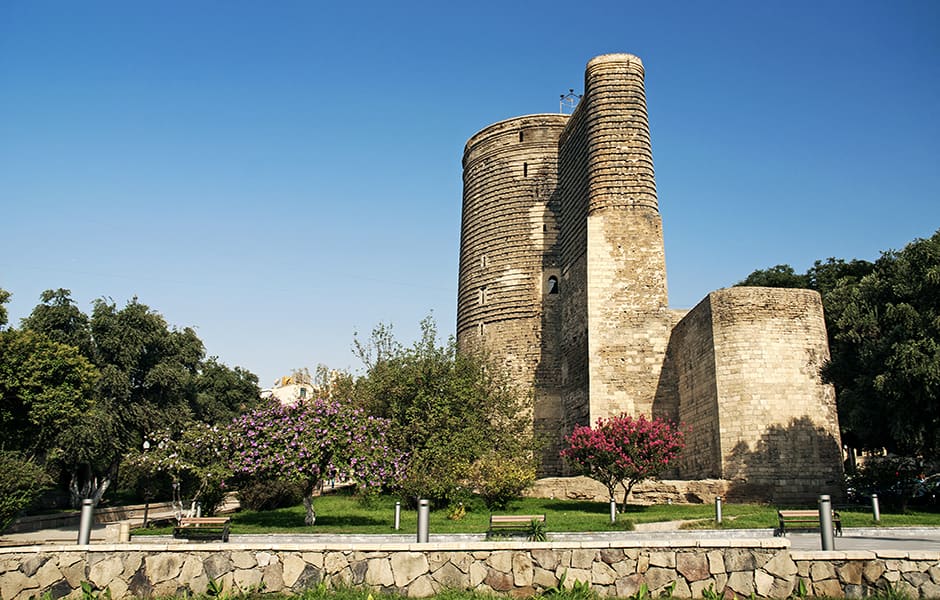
{"points": [[509, 271]]}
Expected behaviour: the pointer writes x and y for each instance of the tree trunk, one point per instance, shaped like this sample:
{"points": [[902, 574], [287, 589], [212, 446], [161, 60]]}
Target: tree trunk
{"points": [[311, 515], [75, 496], [626, 492]]}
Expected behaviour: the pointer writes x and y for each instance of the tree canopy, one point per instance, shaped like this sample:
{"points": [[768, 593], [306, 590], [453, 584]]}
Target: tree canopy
{"points": [[88, 389], [883, 321], [463, 424]]}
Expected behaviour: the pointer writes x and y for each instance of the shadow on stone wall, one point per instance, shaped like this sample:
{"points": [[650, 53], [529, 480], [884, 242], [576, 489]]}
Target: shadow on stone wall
{"points": [[790, 464]]}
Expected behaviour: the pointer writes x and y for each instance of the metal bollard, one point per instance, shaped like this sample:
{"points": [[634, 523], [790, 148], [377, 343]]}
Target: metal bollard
{"points": [[84, 526], [825, 523], [718, 510], [397, 516], [198, 509], [613, 510], [875, 509], [423, 516]]}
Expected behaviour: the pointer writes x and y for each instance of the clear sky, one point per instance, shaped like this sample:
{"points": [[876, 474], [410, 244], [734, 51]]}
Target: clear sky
{"points": [[280, 175]]}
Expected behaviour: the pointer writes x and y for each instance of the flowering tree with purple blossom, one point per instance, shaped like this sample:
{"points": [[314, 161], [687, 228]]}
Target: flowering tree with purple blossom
{"points": [[312, 441], [623, 450]]}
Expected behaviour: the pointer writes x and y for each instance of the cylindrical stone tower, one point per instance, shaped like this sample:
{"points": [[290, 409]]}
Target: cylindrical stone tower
{"points": [[507, 291], [626, 264]]}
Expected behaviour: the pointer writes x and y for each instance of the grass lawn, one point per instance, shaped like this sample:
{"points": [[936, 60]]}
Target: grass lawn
{"points": [[340, 513]]}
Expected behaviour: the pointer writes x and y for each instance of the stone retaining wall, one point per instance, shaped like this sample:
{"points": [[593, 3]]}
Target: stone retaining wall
{"points": [[735, 568]]}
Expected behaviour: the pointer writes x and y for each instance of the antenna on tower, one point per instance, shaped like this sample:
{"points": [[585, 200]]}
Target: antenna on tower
{"points": [[568, 101]]}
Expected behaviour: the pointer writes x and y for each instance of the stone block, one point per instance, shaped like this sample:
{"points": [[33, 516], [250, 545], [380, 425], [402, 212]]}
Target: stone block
{"points": [[657, 577], [583, 559], [547, 559], [408, 566], [822, 570], [692, 565], [781, 565], [522, 570], [293, 567], [422, 587], [14, 582], [628, 586], [830, 588], [450, 577], [500, 561], [716, 562], [478, 573], [379, 572], [335, 562], [763, 583], [851, 572], [663, 559], [602, 574], [217, 565], [272, 577], [741, 583], [163, 566], [243, 560], [499, 581], [247, 579]]}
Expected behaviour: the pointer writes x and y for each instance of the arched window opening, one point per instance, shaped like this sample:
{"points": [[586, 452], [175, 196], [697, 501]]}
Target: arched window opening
{"points": [[552, 285]]}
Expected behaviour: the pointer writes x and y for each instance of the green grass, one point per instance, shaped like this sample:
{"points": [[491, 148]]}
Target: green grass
{"points": [[339, 513]]}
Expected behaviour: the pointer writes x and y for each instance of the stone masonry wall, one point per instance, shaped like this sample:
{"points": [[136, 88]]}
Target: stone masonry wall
{"points": [[778, 430], [739, 568], [628, 321], [508, 253], [691, 356]]}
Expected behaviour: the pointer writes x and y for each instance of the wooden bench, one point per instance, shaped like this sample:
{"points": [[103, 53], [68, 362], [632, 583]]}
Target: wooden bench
{"points": [[203, 528], [513, 522], [803, 519]]}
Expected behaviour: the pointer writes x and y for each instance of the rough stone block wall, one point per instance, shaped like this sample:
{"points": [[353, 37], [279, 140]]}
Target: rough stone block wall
{"points": [[777, 420], [692, 359], [729, 568], [509, 252], [627, 336], [573, 203]]}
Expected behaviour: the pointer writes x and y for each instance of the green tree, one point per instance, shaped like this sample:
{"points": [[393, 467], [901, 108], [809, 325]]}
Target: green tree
{"points": [[223, 392], [886, 352], [58, 318], [21, 482], [45, 388], [883, 323], [4, 298], [782, 276], [449, 411]]}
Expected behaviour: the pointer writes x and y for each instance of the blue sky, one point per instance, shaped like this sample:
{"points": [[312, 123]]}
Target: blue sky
{"points": [[280, 175]]}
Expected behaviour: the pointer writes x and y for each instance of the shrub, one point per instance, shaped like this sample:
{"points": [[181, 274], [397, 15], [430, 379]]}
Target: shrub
{"points": [[270, 495], [499, 479], [21, 483]]}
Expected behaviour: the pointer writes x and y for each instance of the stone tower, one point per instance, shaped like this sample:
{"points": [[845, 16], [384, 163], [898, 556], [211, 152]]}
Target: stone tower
{"points": [[563, 281]]}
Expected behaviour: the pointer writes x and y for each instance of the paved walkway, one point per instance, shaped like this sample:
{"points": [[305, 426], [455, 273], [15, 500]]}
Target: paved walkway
{"points": [[897, 538]]}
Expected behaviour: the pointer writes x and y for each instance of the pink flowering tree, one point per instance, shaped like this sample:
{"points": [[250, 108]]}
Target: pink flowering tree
{"points": [[623, 450], [312, 441]]}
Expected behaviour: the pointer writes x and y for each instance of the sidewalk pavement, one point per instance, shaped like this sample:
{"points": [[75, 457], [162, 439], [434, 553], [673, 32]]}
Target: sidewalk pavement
{"points": [[896, 538]]}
